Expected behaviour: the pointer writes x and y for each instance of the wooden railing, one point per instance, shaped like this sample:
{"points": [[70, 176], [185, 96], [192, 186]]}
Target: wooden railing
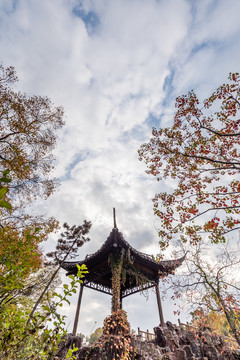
{"points": [[145, 335], [186, 326]]}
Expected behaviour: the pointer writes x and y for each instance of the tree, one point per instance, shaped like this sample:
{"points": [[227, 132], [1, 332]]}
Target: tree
{"points": [[37, 342], [210, 283], [17, 296], [95, 335], [19, 258], [4, 180], [28, 133], [199, 157], [216, 321], [70, 241], [67, 246], [27, 291]]}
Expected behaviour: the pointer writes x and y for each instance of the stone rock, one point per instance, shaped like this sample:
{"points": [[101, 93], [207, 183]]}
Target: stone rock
{"points": [[216, 340], [188, 351], [170, 326], [176, 340], [227, 354], [67, 343], [206, 337], [196, 349], [210, 352], [182, 340], [160, 337], [172, 340], [180, 354], [167, 357], [190, 337], [174, 343], [236, 353]]}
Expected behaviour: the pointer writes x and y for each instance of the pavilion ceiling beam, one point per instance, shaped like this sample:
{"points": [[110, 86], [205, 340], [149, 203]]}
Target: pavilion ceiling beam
{"points": [[135, 290], [145, 269], [99, 288], [97, 276], [99, 265]]}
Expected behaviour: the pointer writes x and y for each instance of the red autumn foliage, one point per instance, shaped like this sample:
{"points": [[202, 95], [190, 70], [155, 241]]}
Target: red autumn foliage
{"points": [[199, 153]]}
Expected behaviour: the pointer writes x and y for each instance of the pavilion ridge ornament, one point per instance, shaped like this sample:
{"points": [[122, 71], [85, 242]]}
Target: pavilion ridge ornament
{"points": [[119, 270]]}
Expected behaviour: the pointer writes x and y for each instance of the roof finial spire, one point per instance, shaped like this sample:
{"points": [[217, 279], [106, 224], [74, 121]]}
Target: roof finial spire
{"points": [[114, 219]]}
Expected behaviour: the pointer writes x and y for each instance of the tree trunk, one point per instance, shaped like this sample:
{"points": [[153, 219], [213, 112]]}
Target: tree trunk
{"points": [[116, 285], [232, 325]]}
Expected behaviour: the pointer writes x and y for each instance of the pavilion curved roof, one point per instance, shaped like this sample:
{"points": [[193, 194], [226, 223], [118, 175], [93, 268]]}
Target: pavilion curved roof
{"points": [[99, 276]]}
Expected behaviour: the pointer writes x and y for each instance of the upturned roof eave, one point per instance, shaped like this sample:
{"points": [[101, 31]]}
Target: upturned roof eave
{"points": [[164, 266]]}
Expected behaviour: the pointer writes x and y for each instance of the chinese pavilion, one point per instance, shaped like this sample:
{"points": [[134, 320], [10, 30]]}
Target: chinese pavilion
{"points": [[141, 271]]}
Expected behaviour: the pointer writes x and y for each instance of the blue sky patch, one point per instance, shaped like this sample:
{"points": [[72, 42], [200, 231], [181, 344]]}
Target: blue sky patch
{"points": [[205, 45], [210, 6], [77, 158], [168, 87], [90, 19], [153, 121], [135, 133], [11, 7]]}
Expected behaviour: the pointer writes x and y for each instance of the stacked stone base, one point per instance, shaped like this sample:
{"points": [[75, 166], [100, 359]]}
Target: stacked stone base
{"points": [[171, 343], [174, 343]]}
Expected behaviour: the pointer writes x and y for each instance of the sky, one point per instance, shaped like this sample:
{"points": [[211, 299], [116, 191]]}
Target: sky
{"points": [[116, 66]]}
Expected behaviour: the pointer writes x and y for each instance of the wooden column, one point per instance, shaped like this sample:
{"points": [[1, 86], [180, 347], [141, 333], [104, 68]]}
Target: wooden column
{"points": [[121, 299], [77, 311], [159, 305]]}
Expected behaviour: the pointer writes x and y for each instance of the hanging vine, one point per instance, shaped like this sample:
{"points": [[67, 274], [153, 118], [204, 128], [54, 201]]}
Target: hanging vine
{"points": [[121, 267], [116, 263]]}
